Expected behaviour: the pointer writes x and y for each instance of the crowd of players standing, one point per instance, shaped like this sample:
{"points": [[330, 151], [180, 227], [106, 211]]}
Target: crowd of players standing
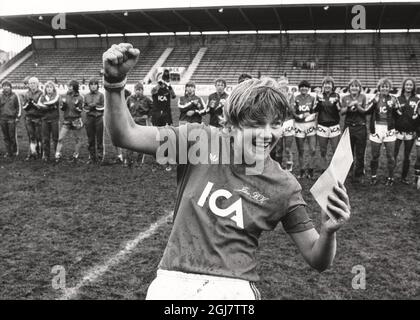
{"points": [[391, 120]]}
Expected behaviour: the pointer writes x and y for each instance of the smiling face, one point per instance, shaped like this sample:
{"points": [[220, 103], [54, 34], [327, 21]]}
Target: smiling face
{"points": [[408, 86], [304, 90], [327, 87], [257, 142], [354, 89], [384, 89]]}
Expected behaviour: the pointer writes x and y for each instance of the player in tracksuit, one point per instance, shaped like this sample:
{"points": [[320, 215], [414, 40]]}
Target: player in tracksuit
{"points": [[382, 108], [405, 123], [190, 105], [33, 118], [140, 107], [222, 209], [94, 107], [10, 112], [305, 127], [353, 107], [288, 129], [72, 106], [49, 103], [328, 107], [216, 102]]}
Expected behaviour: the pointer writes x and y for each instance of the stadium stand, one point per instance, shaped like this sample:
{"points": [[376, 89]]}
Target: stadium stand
{"points": [[367, 63]]}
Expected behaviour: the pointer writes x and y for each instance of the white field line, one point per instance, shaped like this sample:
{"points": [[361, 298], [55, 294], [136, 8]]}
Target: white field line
{"points": [[97, 271]]}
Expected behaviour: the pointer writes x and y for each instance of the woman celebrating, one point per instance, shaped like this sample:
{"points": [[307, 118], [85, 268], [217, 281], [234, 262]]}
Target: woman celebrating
{"points": [[328, 108], [353, 106], [49, 103], [221, 210], [405, 123], [382, 129]]}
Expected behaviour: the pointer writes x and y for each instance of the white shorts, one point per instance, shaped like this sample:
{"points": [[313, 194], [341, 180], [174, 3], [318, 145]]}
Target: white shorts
{"points": [[418, 141], [175, 285], [288, 128], [328, 132], [382, 134], [305, 129], [405, 136]]}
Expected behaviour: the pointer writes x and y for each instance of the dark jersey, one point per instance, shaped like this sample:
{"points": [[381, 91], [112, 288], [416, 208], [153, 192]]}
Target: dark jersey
{"points": [[328, 109], [404, 122], [30, 99], [139, 107], [190, 103], [221, 211], [304, 104], [353, 115], [215, 105]]}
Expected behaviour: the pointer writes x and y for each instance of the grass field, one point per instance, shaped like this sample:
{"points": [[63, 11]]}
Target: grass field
{"points": [[79, 215]]}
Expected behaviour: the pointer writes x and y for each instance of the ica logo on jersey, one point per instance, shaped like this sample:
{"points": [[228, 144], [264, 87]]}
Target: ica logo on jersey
{"points": [[233, 212], [162, 98], [304, 108]]}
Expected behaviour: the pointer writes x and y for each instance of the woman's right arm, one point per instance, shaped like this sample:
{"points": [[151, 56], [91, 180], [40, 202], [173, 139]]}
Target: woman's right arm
{"points": [[125, 133]]}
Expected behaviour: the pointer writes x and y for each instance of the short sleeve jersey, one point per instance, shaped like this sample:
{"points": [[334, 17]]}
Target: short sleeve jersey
{"points": [[328, 113], [221, 212], [304, 104], [384, 105]]}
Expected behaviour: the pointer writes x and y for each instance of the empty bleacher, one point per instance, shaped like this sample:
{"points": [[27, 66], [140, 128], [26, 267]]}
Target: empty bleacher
{"points": [[366, 62]]}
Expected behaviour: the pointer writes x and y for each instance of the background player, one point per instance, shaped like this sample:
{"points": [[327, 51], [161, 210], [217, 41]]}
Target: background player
{"points": [[94, 108], [216, 102], [33, 115], [10, 112], [49, 103], [353, 107], [405, 123], [382, 129], [140, 107], [328, 108], [190, 105], [305, 128], [72, 106]]}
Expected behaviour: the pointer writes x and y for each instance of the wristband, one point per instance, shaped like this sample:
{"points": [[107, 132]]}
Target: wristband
{"points": [[115, 86]]}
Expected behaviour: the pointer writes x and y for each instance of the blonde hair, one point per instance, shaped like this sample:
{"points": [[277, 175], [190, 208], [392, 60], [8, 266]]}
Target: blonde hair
{"points": [[255, 102]]}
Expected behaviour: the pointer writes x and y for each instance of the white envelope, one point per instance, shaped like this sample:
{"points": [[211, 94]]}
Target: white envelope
{"points": [[337, 171]]}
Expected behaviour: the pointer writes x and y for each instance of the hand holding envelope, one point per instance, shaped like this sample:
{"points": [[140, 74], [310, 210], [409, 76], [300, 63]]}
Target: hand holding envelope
{"points": [[335, 173]]}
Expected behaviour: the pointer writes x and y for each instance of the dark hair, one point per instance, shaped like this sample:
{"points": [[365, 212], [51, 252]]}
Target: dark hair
{"points": [[165, 75], [304, 83], [94, 81], [6, 83], [75, 85], [243, 77], [220, 80]]}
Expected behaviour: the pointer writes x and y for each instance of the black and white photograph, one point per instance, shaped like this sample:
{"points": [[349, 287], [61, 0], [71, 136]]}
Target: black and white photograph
{"points": [[221, 151]]}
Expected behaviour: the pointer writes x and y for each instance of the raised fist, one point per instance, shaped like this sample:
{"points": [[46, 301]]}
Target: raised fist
{"points": [[119, 60]]}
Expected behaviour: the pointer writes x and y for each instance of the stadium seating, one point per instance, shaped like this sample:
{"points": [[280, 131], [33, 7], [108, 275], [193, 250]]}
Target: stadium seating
{"points": [[343, 62]]}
